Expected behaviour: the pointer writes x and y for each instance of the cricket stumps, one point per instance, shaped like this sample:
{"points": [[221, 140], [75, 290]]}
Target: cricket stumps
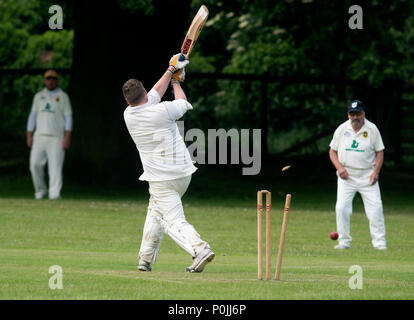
{"points": [[282, 237], [260, 234], [268, 195]]}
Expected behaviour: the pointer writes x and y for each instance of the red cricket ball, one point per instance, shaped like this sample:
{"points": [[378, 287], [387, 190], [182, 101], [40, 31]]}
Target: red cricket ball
{"points": [[334, 235]]}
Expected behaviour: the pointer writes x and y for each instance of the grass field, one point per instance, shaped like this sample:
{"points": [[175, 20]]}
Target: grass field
{"points": [[95, 237]]}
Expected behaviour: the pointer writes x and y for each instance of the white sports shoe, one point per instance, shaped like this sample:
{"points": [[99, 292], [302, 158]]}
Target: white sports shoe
{"points": [[380, 247], [201, 260], [144, 266], [341, 247], [40, 195]]}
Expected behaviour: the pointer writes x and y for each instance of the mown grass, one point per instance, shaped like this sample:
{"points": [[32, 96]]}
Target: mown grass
{"points": [[95, 236]]}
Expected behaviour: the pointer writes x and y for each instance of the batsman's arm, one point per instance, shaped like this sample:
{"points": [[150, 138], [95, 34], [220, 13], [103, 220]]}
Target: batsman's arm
{"points": [[178, 91], [174, 66], [162, 84], [333, 155]]}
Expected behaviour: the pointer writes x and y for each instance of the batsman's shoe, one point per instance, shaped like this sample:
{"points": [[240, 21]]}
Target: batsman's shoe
{"points": [[341, 247], [144, 266], [201, 260], [380, 247]]}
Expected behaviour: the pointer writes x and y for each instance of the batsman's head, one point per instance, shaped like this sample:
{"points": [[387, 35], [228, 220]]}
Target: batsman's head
{"points": [[134, 92]]}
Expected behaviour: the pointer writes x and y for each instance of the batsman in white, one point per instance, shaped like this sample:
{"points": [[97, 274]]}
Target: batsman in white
{"points": [[167, 165], [357, 152], [51, 121]]}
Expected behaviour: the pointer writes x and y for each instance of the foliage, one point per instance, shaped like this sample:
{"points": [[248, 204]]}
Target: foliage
{"points": [[137, 5], [311, 38], [24, 33], [288, 38], [294, 39], [27, 42], [50, 49]]}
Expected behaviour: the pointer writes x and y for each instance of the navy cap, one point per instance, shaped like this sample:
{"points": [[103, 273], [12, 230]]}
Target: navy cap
{"points": [[356, 106]]}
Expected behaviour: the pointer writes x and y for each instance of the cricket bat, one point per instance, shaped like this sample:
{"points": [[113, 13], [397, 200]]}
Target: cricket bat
{"points": [[193, 32]]}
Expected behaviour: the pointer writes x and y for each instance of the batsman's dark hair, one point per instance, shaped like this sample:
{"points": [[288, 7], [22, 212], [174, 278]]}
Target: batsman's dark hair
{"points": [[133, 91]]}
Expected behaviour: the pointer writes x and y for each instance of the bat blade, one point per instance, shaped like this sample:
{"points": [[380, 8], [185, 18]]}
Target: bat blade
{"points": [[193, 32]]}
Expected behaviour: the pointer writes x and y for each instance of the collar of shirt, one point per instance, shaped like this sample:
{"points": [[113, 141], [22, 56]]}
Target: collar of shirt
{"points": [[53, 92], [363, 128]]}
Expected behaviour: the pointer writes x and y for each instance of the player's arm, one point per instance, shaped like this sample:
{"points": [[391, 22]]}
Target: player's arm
{"points": [[178, 91], [66, 140], [68, 131], [333, 155], [174, 67], [31, 123], [29, 139], [68, 123], [379, 160], [163, 83]]}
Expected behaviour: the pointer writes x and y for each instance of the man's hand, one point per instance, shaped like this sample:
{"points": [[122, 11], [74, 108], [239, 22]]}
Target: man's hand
{"points": [[343, 173], [66, 140], [176, 64], [179, 76], [29, 139], [333, 155], [374, 178]]}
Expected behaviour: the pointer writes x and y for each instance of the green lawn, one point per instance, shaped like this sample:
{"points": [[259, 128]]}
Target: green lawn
{"points": [[95, 237]]}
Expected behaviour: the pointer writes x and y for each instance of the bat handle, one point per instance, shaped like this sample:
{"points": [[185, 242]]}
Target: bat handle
{"points": [[181, 58]]}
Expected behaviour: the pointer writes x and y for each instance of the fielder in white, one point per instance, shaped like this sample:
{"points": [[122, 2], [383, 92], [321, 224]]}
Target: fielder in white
{"points": [[167, 165], [357, 154], [51, 121]]}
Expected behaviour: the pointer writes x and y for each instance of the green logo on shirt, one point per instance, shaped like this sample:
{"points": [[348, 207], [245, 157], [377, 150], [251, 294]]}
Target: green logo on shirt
{"points": [[354, 147], [355, 144], [48, 108]]}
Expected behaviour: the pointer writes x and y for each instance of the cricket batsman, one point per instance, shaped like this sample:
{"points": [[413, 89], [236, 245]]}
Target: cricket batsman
{"points": [[167, 165]]}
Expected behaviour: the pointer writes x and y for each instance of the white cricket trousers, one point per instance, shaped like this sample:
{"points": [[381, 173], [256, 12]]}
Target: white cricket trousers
{"points": [[371, 197], [47, 149], [166, 215]]}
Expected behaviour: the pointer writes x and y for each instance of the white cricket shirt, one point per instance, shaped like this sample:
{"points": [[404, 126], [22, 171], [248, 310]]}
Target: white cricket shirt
{"points": [[51, 107], [153, 128], [357, 150]]}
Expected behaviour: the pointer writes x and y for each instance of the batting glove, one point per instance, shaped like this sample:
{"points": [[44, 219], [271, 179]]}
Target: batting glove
{"points": [[178, 76], [176, 64]]}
